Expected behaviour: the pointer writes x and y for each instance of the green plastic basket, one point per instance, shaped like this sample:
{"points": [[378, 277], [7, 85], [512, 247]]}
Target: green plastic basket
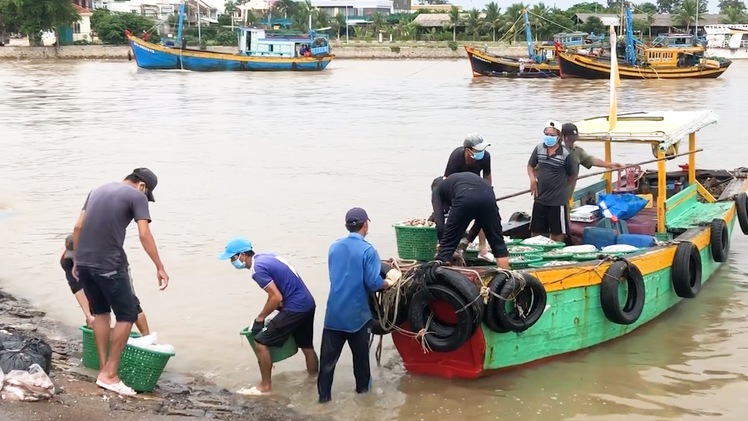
{"points": [[527, 259], [581, 257], [541, 265], [416, 243], [141, 368], [531, 250], [557, 244], [90, 354], [277, 354], [556, 256]]}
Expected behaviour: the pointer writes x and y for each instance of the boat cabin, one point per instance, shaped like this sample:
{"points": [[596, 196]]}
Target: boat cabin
{"points": [[260, 42], [675, 40], [572, 39], [727, 36]]}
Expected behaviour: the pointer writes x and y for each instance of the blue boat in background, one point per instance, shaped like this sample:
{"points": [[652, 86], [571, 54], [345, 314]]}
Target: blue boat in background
{"points": [[259, 50]]}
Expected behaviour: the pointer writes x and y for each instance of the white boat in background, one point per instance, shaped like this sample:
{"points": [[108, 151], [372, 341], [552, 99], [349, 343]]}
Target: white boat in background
{"points": [[727, 41]]}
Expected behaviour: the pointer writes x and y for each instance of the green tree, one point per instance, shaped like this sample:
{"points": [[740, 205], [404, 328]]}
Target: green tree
{"points": [[734, 15], [686, 14], [454, 20], [111, 26], [593, 24], [31, 17], [337, 24], [587, 7], [640, 26], [494, 19], [668, 6], [286, 8], [647, 7], [474, 23], [725, 5]]}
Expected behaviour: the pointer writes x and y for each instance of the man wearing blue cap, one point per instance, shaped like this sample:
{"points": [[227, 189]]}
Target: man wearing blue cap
{"points": [[286, 293], [354, 267]]}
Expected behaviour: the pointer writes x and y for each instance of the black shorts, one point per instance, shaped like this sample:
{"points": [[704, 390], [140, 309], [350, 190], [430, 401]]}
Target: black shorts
{"points": [[285, 324], [110, 290], [547, 219], [73, 283]]}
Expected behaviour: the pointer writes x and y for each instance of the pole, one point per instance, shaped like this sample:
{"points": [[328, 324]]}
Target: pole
{"points": [[346, 24], [520, 193], [199, 35], [179, 26]]}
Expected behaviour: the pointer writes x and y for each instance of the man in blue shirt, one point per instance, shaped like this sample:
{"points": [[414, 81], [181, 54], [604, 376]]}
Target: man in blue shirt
{"points": [[286, 293], [354, 267]]}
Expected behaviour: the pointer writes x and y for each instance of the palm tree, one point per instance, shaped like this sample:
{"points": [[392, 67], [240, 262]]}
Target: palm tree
{"points": [[337, 24], [454, 20], [513, 13], [474, 23], [377, 22], [734, 15], [687, 14], [286, 7], [540, 25], [493, 19], [230, 9]]}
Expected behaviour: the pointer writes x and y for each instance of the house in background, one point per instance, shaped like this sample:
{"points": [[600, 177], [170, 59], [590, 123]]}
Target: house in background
{"points": [[82, 29]]}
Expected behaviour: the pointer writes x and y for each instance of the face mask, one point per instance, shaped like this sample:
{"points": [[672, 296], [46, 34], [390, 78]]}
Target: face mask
{"points": [[549, 140], [239, 264], [479, 155]]}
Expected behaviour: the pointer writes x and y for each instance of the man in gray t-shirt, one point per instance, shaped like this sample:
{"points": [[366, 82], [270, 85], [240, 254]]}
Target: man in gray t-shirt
{"points": [[552, 169], [102, 268]]}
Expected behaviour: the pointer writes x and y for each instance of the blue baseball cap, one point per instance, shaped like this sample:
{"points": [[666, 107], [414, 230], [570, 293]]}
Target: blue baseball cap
{"points": [[235, 246], [356, 216]]}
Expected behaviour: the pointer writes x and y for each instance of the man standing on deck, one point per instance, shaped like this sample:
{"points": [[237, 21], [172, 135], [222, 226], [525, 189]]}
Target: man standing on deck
{"points": [[354, 267], [552, 170], [473, 157], [101, 264], [286, 293], [469, 198], [570, 134]]}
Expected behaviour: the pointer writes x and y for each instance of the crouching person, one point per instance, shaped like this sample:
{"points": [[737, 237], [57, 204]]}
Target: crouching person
{"points": [[287, 293]]}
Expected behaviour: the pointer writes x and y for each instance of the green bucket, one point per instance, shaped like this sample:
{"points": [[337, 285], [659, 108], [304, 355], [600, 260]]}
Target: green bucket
{"points": [[416, 243], [141, 368], [521, 262], [90, 354], [277, 354]]}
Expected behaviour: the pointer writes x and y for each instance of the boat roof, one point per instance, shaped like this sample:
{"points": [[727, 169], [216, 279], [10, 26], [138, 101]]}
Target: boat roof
{"points": [[664, 127]]}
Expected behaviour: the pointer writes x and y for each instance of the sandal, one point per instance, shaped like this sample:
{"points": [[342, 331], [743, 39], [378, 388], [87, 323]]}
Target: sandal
{"points": [[118, 388]]}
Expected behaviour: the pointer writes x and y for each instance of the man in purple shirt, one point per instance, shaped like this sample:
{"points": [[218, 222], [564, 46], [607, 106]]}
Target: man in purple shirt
{"points": [[286, 293]]}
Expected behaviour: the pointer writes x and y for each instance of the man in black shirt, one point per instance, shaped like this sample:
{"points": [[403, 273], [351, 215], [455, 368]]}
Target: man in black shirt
{"points": [[473, 157], [469, 198]]}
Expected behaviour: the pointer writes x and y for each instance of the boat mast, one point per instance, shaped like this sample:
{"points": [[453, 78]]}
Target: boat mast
{"points": [[630, 50], [528, 35], [181, 21], [199, 36]]}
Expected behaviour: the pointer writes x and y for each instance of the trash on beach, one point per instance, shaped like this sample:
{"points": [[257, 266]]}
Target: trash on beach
{"points": [[26, 385], [20, 353], [149, 343]]}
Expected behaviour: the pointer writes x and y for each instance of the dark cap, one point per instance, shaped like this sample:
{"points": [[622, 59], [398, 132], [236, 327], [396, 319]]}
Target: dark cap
{"points": [[569, 129], [69, 247], [150, 180], [356, 216]]}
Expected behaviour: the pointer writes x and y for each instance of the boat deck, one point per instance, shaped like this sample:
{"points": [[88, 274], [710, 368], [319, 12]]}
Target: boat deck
{"points": [[699, 214]]}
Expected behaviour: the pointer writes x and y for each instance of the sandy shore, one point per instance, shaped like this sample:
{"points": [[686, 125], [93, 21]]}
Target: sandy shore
{"points": [[355, 50], [78, 398]]}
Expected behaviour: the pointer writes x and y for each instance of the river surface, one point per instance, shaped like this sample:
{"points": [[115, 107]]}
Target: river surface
{"points": [[281, 157]]}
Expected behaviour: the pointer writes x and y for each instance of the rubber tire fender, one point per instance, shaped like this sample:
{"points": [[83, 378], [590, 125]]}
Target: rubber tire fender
{"points": [[464, 287], [741, 210], [619, 271], [719, 240], [686, 270], [444, 338], [532, 299], [402, 311]]}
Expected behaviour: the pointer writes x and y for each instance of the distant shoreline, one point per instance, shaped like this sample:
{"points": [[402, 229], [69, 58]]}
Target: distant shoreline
{"points": [[370, 51]]}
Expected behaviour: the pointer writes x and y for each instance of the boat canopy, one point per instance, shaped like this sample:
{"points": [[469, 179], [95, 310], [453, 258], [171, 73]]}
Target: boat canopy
{"points": [[664, 127]]}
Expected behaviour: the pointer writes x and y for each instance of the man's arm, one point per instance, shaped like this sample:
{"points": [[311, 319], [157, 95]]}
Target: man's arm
{"points": [[275, 298], [609, 165], [571, 165], [79, 223], [532, 173], [487, 169], [372, 269], [438, 205], [142, 217]]}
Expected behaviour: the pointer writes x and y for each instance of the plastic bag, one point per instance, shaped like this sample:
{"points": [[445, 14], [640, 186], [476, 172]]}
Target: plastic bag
{"points": [[150, 343], [39, 351], [27, 385], [623, 206], [19, 360]]}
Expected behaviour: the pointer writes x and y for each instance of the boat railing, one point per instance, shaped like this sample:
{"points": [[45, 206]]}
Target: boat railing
{"points": [[320, 50]]}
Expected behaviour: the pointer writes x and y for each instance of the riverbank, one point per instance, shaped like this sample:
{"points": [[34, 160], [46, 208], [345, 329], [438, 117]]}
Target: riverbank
{"points": [[354, 50], [78, 398]]}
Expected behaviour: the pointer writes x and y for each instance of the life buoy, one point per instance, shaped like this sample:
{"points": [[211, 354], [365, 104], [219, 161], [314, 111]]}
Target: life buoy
{"points": [[719, 240], [741, 209], [619, 272], [527, 306], [686, 270], [401, 313], [439, 336]]}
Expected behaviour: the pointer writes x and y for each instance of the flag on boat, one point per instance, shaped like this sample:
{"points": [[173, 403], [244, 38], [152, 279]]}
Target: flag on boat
{"points": [[615, 80]]}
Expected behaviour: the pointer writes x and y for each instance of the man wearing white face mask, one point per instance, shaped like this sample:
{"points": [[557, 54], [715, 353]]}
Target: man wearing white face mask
{"points": [[552, 168], [473, 157]]}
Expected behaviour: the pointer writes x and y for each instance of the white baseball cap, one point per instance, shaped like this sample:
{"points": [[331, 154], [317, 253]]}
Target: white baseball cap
{"points": [[552, 123]]}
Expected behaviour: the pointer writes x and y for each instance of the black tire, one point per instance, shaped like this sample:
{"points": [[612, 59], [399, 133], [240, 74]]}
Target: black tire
{"points": [[686, 270], [741, 209], [622, 271], [719, 240], [441, 337], [463, 286], [402, 311], [531, 300]]}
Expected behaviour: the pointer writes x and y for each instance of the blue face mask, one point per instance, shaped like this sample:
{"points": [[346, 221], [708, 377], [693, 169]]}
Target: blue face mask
{"points": [[239, 264], [478, 155], [549, 140]]}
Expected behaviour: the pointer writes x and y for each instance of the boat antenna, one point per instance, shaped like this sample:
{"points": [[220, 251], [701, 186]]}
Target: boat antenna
{"points": [[615, 80]]}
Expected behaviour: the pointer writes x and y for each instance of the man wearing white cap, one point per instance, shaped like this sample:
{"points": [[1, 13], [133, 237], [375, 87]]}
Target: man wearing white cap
{"points": [[552, 169]]}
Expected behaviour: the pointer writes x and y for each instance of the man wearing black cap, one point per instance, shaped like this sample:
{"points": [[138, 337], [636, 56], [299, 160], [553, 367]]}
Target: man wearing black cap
{"points": [[569, 133], [102, 266], [354, 267]]}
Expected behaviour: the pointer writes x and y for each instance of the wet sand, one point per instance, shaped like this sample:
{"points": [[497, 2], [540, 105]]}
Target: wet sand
{"points": [[77, 397]]}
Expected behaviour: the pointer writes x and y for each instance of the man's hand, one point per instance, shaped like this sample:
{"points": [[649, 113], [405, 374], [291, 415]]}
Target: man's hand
{"points": [[163, 279], [615, 166], [75, 271], [257, 326], [534, 187]]}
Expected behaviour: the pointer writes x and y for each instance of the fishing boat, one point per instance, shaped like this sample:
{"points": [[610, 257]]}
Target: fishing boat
{"points": [[642, 61], [540, 62], [259, 50], [727, 41], [468, 322]]}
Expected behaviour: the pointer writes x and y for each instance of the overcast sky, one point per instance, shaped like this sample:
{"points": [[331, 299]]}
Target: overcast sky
{"points": [[480, 4]]}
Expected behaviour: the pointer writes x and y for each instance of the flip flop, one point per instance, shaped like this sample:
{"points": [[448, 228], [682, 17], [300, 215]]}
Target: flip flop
{"points": [[487, 257], [252, 391], [118, 388]]}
